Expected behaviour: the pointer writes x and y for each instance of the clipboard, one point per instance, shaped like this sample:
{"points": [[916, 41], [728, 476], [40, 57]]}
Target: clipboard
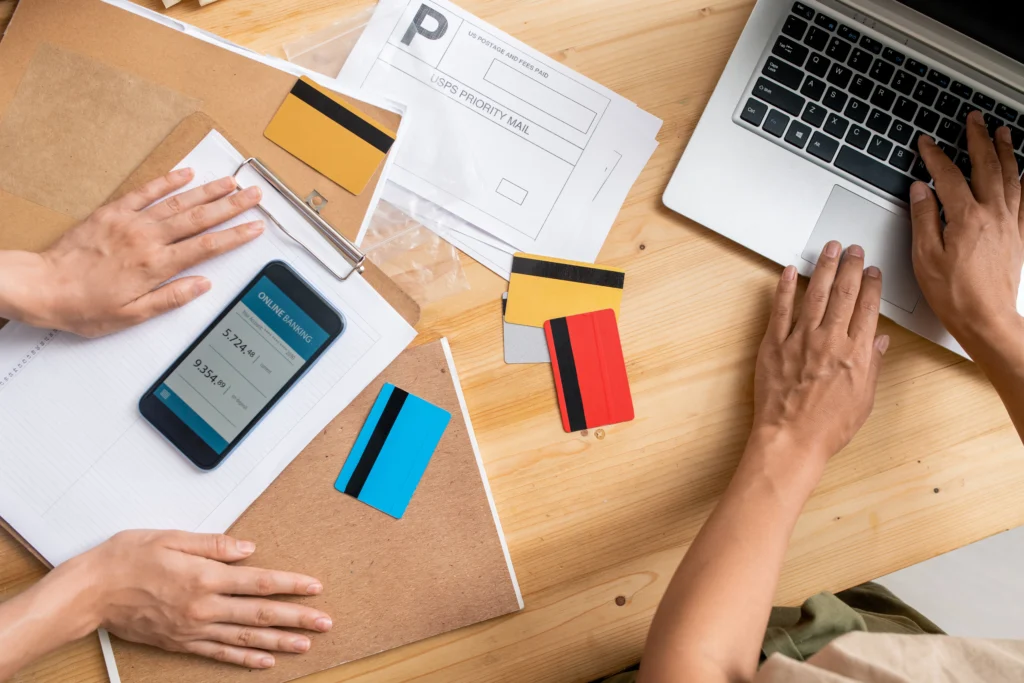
{"points": [[88, 90]]}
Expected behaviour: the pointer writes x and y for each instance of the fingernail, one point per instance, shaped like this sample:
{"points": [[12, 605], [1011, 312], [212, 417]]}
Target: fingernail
{"points": [[873, 271], [255, 228], [1003, 133], [183, 173], [882, 344], [315, 589], [918, 192], [201, 287], [832, 249], [855, 250], [300, 644], [925, 139], [789, 273], [323, 624], [266, 662], [247, 547], [977, 117], [253, 193], [227, 183]]}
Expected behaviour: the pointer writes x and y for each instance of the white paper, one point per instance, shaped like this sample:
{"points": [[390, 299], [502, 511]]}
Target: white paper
{"points": [[501, 136], [80, 464]]}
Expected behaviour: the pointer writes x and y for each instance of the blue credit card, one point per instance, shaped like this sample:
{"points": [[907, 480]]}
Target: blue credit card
{"points": [[393, 450]]}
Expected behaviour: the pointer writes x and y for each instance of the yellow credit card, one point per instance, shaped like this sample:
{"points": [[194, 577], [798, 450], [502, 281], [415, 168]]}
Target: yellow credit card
{"points": [[543, 288], [332, 136]]}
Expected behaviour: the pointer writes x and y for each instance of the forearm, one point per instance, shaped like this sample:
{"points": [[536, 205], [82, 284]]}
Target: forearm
{"points": [[998, 349], [711, 622], [19, 284], [55, 611]]}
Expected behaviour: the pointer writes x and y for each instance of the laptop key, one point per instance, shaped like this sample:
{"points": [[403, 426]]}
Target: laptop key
{"points": [[900, 132], [925, 93], [776, 95], [902, 159], [879, 175], [848, 33], [794, 27], [786, 74], [859, 60], [816, 39], [813, 88], [862, 87], [1017, 135], [798, 134], [1004, 112], [879, 147], [947, 104], [823, 147], [879, 121], [948, 131], [791, 51], [838, 49], [836, 125], [858, 137], [870, 44], [993, 123], [913, 140], [939, 79], [963, 162], [814, 114], [983, 101], [920, 171], [839, 75], [904, 109], [882, 97], [775, 123], [835, 99], [965, 109], [826, 22], [856, 110], [917, 68], [818, 65], [961, 90], [882, 71], [1020, 164], [803, 10], [893, 56], [904, 82], [926, 120], [949, 149]]}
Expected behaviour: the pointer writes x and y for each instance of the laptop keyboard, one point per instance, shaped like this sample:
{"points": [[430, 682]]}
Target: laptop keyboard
{"points": [[855, 103]]}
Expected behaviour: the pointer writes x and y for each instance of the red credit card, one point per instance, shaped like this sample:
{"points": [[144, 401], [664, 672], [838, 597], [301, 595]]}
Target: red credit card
{"points": [[590, 372]]}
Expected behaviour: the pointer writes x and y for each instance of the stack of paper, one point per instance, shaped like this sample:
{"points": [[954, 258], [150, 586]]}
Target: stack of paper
{"points": [[512, 150]]}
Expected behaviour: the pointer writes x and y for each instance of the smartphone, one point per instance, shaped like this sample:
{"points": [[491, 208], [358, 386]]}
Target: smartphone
{"points": [[241, 365]]}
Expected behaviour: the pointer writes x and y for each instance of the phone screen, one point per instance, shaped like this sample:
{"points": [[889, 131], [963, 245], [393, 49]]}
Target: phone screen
{"points": [[240, 365]]}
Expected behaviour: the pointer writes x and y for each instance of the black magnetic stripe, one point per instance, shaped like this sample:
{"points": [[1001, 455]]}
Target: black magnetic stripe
{"points": [[565, 271], [373, 447], [342, 116], [567, 373]]}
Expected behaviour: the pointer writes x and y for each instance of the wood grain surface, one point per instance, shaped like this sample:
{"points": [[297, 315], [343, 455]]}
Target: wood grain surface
{"points": [[597, 521]]}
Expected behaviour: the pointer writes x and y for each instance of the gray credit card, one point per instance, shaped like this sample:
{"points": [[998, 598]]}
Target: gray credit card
{"points": [[523, 344]]}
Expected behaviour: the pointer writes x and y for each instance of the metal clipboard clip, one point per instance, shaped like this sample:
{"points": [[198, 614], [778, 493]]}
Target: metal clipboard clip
{"points": [[310, 210]]}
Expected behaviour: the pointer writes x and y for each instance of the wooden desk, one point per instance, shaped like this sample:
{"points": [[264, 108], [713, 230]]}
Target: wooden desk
{"points": [[598, 522]]}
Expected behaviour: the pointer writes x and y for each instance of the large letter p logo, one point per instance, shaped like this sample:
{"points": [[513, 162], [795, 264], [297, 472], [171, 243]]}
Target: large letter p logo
{"points": [[417, 25]]}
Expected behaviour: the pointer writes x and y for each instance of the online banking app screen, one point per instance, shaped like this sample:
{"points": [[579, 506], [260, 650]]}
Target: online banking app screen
{"points": [[235, 370]]}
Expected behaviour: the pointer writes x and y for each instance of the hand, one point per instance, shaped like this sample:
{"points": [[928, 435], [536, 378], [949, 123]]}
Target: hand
{"points": [[107, 273], [970, 273], [814, 384], [175, 590]]}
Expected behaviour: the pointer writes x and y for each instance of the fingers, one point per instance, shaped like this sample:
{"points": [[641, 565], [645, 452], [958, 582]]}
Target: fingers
{"points": [[845, 290], [816, 298], [213, 546], [203, 247], [262, 582], [950, 184], [155, 189], [179, 203], [250, 659], [258, 638], [986, 170], [781, 322], [864, 320], [204, 216], [259, 612], [170, 296], [1008, 163], [924, 220]]}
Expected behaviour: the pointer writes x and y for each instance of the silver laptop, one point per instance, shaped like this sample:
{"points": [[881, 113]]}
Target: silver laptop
{"points": [[811, 132]]}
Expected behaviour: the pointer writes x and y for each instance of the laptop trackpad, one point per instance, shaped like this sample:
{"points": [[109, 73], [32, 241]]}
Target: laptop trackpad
{"points": [[885, 236]]}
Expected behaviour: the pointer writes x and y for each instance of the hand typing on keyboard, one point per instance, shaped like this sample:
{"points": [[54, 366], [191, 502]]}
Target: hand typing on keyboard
{"points": [[970, 271]]}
